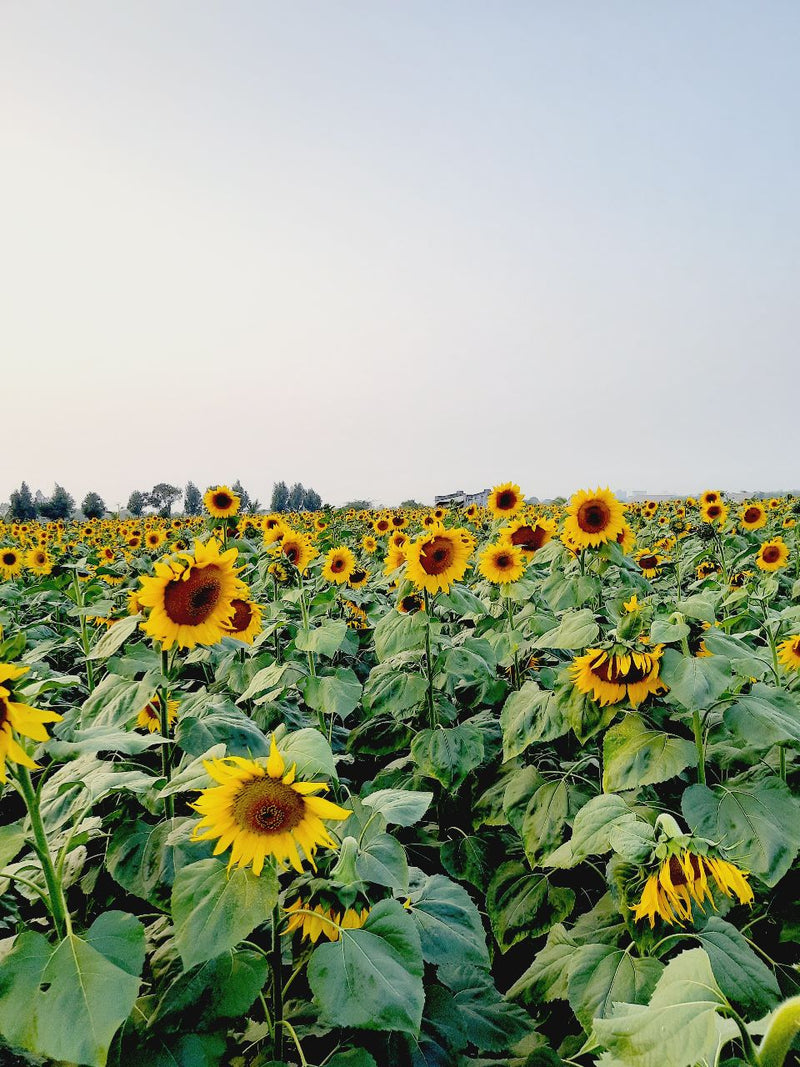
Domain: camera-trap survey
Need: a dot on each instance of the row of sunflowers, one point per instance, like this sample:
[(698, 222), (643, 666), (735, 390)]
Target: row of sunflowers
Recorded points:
[(508, 785)]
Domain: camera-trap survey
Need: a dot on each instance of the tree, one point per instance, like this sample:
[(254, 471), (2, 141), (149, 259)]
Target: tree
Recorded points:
[(162, 496), (312, 500), (192, 500), (357, 505), (244, 496), (137, 502), (410, 503), (296, 496), (59, 506), (280, 496), (93, 506), (21, 505)]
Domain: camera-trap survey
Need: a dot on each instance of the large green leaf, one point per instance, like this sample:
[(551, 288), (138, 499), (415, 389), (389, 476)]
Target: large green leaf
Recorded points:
[(12, 838), (214, 719), (601, 976), (741, 974), (222, 988), (764, 717), (754, 823), (530, 715), (634, 756), (577, 629), (403, 807), (119, 936), (472, 1011), (382, 859), (20, 977), (104, 739), (695, 682), (333, 694), (114, 638), (448, 754), (397, 632), (325, 640), (544, 820), (393, 691), (213, 910), (680, 1027), (310, 752), (547, 977), (522, 904), (590, 830), (449, 924), (372, 978)]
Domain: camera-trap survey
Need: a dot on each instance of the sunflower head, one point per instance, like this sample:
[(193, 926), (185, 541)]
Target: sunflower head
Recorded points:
[(18, 719), (245, 623), (773, 555), (611, 676), (789, 653), (502, 563), (438, 558), (594, 517), (505, 500), (221, 502)]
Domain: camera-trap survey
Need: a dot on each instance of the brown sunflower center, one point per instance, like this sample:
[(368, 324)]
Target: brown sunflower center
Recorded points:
[(528, 538), (713, 511), (337, 564), (593, 516), (9, 558), (291, 551), (191, 602), (398, 521), (242, 616), (222, 501), (40, 558), (506, 500), (648, 562), (503, 561), (752, 515), (358, 576), (267, 806), (610, 670), (676, 872), (771, 554), (436, 555)]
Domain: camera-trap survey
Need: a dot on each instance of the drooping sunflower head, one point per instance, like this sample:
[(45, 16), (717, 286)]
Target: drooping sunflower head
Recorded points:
[(594, 517), (502, 563), (773, 555), (437, 559), (358, 577), (339, 565), (685, 877), (245, 623), (610, 677), (410, 604), (18, 718), (221, 502), (316, 920), (529, 535), (258, 811), (149, 718), (505, 500)]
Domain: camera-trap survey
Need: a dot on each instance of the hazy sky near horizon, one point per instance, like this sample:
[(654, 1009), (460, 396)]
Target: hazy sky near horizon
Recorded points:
[(395, 249)]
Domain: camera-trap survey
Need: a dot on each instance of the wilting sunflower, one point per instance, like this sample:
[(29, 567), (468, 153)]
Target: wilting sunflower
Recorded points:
[(753, 517), (714, 512), (191, 596), (258, 812), (685, 877), (609, 677), (773, 555), (505, 500), (21, 718), (529, 534), (221, 502), (789, 653), (593, 517), (706, 569), (501, 563), (356, 616), (437, 559), (10, 562), (245, 623), (358, 578), (339, 565), (297, 548), (149, 718), (38, 561), (315, 921), (649, 562)]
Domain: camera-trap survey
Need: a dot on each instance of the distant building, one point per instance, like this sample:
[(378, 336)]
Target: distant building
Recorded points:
[(460, 499)]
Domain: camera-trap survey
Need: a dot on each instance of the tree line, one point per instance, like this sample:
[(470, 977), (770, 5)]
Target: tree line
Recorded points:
[(24, 507)]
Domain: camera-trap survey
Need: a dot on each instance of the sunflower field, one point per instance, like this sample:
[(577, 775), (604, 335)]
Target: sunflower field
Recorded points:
[(513, 785)]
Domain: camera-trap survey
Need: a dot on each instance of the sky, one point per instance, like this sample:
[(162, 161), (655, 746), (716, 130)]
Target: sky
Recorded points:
[(397, 249)]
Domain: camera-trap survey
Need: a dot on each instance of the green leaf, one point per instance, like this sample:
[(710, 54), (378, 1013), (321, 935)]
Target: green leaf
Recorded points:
[(213, 910), (590, 830), (577, 629), (448, 755), (311, 753), (333, 694), (524, 905), (663, 631), (325, 640), (275, 676), (12, 838), (699, 607), (755, 824), (741, 974), (397, 632), (634, 756), (382, 860), (472, 1007), (115, 701), (372, 978), (695, 682), (681, 1025), (546, 978), (143, 857), (449, 924), (104, 739), (20, 977), (192, 774), (764, 717), (212, 720), (403, 807), (115, 637), (530, 715), (393, 691), (544, 819), (601, 976), (119, 936), (222, 988)]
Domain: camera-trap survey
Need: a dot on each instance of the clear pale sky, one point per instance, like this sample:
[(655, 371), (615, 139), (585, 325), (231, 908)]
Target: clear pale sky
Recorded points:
[(394, 249)]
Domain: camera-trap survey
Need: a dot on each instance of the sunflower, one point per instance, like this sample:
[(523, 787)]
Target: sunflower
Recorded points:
[(471, 512), (272, 529), (706, 569), (38, 561), (609, 677), (753, 517), (259, 812), (221, 502), (154, 538), (437, 559), (505, 500), (339, 565), (501, 563), (149, 718), (410, 604), (626, 539), (315, 921), (369, 544), (593, 517), (382, 525), (773, 555), (395, 557), (358, 578), (685, 877), (357, 617), (714, 512), (191, 596), (21, 718), (246, 621), (10, 562), (789, 653), (529, 535), (297, 548), (710, 496), (649, 562)]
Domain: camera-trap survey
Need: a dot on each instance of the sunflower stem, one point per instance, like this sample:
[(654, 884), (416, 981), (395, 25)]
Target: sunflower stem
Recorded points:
[(429, 660), (515, 665), (698, 740), (84, 631), (276, 962), (312, 670), (782, 1030), (166, 753), (749, 1049), (275, 634), (55, 891)]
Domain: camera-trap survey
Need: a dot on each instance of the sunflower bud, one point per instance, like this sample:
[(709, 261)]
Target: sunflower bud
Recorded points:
[(345, 870)]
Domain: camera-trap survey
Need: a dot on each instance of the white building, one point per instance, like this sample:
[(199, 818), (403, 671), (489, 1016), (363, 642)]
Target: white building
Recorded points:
[(460, 499)]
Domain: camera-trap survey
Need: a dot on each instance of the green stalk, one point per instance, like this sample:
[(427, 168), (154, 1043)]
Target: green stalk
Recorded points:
[(698, 740), (276, 964), (166, 751), (55, 892), (429, 660), (515, 667), (782, 1030), (84, 631), (304, 608), (275, 634)]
